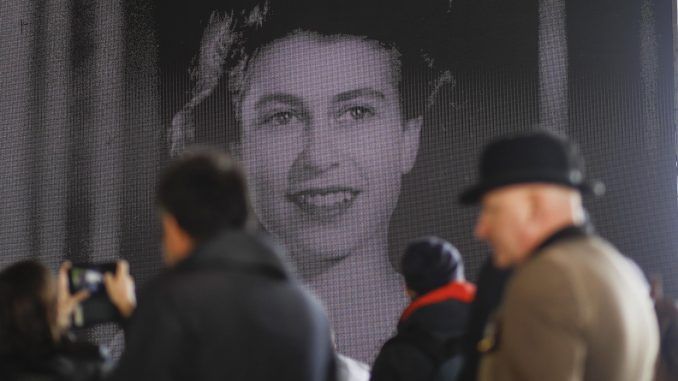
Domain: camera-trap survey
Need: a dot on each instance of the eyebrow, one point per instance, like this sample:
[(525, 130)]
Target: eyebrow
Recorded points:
[(294, 100), (364, 92), (279, 98)]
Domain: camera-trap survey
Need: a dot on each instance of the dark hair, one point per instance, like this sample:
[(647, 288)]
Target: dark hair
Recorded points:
[(206, 192), (231, 41), (27, 310)]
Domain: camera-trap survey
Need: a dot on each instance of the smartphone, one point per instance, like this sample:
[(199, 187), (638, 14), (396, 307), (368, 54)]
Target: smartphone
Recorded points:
[(98, 308)]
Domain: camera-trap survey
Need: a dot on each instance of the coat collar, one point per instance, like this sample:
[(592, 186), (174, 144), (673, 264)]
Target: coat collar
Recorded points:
[(460, 291), (566, 233), (241, 250)]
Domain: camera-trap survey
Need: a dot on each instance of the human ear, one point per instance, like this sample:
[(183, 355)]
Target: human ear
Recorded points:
[(178, 243), (409, 144)]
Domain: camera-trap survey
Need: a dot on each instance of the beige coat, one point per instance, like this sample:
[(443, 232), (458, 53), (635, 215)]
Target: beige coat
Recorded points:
[(579, 310)]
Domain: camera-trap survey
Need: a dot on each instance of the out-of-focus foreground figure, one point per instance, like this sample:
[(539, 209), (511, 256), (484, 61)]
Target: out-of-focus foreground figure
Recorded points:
[(575, 308), (431, 329)]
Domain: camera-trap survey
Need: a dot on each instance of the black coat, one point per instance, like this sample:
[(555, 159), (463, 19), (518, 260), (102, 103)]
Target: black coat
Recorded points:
[(491, 284), (230, 311), (68, 361), (402, 359)]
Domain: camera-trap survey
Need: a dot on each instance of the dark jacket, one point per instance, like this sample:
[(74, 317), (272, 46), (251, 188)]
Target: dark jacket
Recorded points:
[(230, 311), (491, 284), (69, 361), (429, 319)]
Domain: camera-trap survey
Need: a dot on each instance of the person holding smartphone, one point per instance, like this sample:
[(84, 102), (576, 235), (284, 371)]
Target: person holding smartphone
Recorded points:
[(35, 319), (226, 306)]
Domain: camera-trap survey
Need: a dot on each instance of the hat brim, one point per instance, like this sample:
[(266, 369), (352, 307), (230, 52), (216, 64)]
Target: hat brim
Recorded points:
[(474, 194)]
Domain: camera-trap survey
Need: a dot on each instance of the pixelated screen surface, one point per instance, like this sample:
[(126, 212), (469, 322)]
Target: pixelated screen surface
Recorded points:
[(357, 124)]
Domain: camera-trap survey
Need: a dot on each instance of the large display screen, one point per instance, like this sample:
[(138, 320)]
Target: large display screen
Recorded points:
[(357, 123)]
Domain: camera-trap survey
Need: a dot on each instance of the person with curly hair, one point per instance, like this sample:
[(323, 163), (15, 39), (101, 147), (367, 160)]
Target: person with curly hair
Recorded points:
[(324, 105)]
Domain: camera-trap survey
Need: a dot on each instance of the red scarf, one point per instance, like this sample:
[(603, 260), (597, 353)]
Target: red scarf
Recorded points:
[(461, 291)]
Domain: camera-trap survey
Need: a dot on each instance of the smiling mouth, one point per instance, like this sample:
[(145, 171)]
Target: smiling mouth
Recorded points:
[(324, 204)]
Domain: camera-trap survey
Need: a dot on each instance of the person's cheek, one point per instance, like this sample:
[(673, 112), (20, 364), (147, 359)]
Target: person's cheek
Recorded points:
[(276, 156), (254, 171), (375, 144)]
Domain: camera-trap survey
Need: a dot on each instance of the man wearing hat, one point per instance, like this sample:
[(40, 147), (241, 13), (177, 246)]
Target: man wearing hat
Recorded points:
[(575, 308), (428, 343)]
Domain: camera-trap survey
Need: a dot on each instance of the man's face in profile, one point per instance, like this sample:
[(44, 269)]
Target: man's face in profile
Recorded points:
[(503, 223), (324, 143)]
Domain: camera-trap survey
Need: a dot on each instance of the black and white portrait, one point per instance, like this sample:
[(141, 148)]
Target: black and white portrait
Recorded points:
[(327, 113), (357, 124)]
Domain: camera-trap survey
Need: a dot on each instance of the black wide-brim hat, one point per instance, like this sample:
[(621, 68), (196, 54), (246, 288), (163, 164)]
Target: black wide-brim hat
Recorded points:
[(537, 157)]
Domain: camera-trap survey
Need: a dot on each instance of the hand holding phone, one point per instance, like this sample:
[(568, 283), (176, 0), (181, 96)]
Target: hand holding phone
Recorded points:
[(120, 289), (67, 301), (85, 278)]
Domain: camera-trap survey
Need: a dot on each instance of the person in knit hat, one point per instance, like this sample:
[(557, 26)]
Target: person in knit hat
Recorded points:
[(427, 345)]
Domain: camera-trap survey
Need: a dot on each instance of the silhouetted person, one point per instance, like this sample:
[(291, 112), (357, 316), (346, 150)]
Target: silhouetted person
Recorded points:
[(226, 308), (428, 344), (35, 317), (575, 308)]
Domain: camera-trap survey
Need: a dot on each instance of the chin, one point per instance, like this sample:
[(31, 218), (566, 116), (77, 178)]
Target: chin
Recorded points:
[(316, 249)]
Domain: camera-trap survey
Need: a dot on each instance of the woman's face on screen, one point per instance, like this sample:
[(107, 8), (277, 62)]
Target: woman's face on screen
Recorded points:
[(323, 142)]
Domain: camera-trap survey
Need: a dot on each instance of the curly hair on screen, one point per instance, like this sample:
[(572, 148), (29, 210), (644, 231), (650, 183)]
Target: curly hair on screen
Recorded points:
[(232, 40)]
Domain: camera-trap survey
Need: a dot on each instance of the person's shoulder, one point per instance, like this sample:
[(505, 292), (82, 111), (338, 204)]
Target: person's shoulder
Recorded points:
[(162, 295), (551, 265), (568, 252), (549, 276), (408, 343), (407, 356), (399, 350), (176, 280), (560, 261), (159, 285), (598, 256)]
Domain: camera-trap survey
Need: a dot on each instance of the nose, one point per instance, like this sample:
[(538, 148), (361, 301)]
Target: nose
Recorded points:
[(320, 146)]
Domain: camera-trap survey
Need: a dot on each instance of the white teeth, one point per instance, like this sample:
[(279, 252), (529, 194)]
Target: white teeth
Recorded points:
[(326, 200)]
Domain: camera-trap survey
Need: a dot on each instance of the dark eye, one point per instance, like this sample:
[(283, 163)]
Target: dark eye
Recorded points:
[(356, 113), (281, 118)]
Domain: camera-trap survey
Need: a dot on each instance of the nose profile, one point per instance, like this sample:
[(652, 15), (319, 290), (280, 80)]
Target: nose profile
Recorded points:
[(320, 146), (480, 230)]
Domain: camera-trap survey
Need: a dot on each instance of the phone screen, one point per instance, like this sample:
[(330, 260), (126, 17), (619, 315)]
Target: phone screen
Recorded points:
[(98, 307), (88, 279)]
